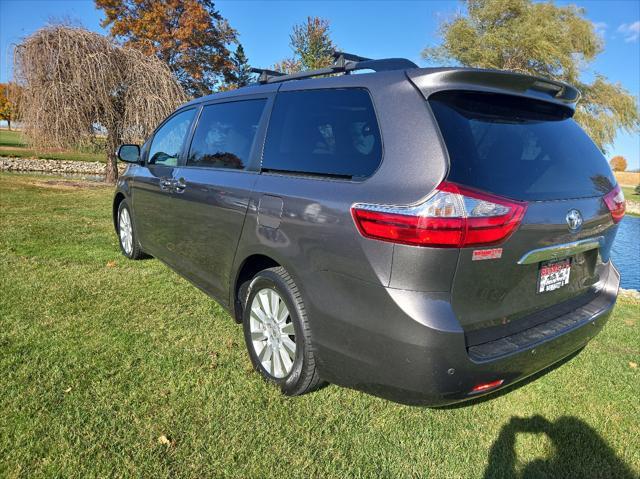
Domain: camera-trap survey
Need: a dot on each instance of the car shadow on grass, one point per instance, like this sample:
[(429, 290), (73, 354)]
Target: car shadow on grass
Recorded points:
[(579, 452)]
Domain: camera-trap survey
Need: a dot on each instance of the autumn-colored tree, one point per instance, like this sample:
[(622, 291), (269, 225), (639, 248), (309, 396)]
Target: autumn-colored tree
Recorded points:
[(74, 80), (312, 44), (618, 163), (9, 100), (5, 107), (188, 35), (543, 39), (312, 47), (288, 65)]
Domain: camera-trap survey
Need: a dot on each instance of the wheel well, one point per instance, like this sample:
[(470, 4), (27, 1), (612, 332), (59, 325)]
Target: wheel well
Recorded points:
[(250, 267), (116, 204)]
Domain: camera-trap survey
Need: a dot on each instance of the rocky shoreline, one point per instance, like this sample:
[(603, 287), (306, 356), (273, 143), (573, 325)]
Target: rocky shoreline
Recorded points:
[(633, 207), (630, 293), (93, 168)]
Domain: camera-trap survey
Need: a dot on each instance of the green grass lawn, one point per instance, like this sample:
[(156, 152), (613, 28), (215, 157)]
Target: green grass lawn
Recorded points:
[(11, 138), (632, 198), (12, 144), (116, 368), (630, 193)]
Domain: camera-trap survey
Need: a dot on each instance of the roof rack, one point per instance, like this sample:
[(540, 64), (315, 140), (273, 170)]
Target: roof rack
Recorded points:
[(265, 74), (343, 63), (340, 58)]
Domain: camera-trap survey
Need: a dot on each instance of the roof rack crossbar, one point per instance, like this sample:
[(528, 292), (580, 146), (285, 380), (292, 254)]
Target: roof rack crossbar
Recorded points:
[(265, 74), (344, 63), (348, 56), (340, 59)]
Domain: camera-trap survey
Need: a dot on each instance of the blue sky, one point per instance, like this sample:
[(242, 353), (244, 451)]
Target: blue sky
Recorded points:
[(369, 28)]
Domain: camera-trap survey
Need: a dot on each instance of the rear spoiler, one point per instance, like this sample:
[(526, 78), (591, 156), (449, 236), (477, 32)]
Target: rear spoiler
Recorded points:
[(430, 80)]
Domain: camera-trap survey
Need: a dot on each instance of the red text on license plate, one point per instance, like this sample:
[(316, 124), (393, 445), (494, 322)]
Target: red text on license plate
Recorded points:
[(553, 275)]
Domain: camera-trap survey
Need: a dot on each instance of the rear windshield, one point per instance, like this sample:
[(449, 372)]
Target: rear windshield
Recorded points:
[(519, 148)]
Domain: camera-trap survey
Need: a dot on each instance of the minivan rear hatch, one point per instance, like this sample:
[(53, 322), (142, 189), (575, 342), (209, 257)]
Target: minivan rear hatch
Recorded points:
[(525, 149)]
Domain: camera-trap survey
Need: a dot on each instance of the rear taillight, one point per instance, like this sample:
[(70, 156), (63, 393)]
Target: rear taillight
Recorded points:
[(454, 217), (616, 203)]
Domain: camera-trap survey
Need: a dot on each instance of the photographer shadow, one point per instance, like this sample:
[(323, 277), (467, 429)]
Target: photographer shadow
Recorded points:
[(579, 452)]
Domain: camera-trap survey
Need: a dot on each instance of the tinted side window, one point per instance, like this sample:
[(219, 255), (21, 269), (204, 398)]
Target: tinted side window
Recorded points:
[(168, 140), (326, 132), (225, 133)]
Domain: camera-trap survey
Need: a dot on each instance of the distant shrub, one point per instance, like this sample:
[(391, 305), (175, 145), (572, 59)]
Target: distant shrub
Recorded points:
[(618, 163)]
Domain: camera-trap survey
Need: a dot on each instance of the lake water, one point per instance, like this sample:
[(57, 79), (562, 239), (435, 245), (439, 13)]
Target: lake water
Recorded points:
[(626, 252)]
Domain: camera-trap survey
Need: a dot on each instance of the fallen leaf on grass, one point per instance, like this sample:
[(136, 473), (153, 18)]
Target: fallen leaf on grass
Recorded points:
[(164, 440), (214, 359), (111, 264), (633, 365)]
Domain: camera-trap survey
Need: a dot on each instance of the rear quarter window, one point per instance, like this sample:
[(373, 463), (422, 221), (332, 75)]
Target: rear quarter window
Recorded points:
[(519, 148), (323, 132)]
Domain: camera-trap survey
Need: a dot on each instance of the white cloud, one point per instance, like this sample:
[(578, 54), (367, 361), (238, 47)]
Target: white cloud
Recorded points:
[(600, 28), (631, 31)]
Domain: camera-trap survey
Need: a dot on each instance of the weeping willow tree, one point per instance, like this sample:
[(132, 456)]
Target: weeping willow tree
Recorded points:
[(76, 83)]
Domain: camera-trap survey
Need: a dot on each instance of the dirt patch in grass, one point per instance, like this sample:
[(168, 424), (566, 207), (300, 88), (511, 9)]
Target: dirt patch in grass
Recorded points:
[(14, 148)]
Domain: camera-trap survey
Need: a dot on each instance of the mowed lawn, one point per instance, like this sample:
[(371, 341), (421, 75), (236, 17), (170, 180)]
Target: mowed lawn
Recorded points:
[(13, 144), (116, 368), (630, 193)]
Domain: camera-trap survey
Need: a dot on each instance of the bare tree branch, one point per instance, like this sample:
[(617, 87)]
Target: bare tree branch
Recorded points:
[(76, 82)]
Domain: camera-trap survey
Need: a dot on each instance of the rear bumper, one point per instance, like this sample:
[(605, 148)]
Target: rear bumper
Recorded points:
[(408, 347)]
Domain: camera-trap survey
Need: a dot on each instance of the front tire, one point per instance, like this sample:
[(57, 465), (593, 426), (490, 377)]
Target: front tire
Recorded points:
[(277, 333), (127, 238)]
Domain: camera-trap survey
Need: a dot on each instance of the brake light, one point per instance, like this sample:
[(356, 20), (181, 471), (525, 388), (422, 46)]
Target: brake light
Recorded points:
[(616, 203), (454, 217)]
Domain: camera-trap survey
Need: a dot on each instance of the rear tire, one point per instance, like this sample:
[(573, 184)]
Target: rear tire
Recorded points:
[(277, 333), (127, 238)]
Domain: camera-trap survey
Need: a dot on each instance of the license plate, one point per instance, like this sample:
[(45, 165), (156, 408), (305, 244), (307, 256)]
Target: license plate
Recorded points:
[(553, 275)]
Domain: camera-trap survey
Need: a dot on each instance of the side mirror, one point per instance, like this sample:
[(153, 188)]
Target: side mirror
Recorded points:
[(129, 153)]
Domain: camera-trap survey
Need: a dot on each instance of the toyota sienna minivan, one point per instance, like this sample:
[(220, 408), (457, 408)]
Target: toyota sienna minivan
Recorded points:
[(427, 235)]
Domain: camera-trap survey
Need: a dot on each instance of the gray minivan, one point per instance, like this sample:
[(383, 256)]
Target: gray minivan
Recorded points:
[(427, 235)]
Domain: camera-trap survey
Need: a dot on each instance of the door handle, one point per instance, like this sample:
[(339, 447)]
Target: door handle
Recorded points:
[(179, 185), (166, 184)]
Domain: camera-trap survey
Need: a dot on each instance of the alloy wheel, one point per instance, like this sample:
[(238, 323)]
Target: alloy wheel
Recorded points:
[(126, 231), (272, 333)]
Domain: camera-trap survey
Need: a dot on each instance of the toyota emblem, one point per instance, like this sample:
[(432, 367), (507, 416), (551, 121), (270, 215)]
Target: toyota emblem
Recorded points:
[(574, 220)]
